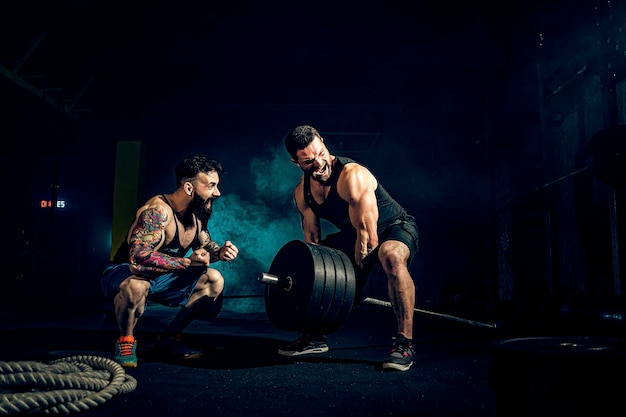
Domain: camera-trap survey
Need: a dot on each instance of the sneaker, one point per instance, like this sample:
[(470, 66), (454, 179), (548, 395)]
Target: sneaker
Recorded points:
[(401, 356), (174, 346), (305, 344), (125, 349)]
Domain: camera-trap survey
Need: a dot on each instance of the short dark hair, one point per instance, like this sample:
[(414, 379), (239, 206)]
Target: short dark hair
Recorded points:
[(192, 165), (299, 138)]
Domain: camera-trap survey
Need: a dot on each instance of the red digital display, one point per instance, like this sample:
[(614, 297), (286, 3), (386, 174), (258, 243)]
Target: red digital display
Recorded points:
[(48, 204)]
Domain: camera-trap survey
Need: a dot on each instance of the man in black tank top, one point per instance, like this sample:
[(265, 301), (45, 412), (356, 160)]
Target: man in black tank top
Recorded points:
[(165, 258), (373, 228)]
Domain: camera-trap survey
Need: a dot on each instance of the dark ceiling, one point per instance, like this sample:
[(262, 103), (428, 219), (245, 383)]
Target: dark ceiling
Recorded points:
[(219, 75), (119, 56)]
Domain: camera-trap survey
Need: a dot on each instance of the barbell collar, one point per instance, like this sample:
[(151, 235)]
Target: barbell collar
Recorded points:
[(283, 282)]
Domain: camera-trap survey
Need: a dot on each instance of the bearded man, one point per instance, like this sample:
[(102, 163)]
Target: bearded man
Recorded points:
[(165, 259)]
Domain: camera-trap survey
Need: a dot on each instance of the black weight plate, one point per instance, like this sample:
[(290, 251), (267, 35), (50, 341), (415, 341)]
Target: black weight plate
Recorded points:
[(339, 287), (322, 288), (558, 376), (287, 308)]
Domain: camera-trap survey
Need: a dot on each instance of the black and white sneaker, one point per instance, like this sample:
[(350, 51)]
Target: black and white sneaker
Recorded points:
[(305, 344), (401, 356)]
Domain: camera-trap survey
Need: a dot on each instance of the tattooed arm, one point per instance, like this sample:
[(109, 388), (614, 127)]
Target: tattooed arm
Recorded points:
[(210, 246), (146, 237), (226, 252)]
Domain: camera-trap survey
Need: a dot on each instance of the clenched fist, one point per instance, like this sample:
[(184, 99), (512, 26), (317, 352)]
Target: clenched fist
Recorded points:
[(228, 252), (200, 257)]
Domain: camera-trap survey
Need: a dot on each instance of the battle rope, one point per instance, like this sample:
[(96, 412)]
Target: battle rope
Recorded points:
[(68, 385)]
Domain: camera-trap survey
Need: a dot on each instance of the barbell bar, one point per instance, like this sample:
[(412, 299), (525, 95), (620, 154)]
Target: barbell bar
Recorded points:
[(287, 282), (383, 303), (312, 287)]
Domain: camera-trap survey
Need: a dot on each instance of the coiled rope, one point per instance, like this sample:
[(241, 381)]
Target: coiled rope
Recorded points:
[(67, 385)]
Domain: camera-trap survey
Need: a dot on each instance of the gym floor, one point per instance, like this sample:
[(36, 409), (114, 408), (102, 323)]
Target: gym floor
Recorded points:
[(241, 373)]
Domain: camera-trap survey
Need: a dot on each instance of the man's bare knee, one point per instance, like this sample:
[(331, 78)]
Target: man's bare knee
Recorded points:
[(212, 283), (134, 290)]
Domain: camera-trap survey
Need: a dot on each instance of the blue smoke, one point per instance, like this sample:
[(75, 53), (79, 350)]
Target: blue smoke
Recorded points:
[(259, 224)]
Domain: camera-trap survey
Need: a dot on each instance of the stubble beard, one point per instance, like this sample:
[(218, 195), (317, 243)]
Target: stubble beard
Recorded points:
[(327, 173)]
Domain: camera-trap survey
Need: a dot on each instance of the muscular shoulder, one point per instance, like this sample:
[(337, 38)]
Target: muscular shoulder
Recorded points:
[(155, 211), (356, 174), (298, 195), (299, 190), (354, 181)]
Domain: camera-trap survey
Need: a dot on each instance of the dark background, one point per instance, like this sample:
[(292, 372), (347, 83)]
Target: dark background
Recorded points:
[(459, 109)]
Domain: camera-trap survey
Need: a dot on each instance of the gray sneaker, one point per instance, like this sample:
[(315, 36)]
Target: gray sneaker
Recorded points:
[(305, 344), (401, 356)]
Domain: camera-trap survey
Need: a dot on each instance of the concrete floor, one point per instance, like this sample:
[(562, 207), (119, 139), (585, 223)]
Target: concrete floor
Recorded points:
[(241, 373)]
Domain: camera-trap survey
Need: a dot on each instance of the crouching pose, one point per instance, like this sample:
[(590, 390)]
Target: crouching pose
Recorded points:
[(165, 259)]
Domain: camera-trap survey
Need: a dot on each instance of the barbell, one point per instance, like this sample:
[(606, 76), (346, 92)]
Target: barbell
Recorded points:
[(312, 287), (309, 287)]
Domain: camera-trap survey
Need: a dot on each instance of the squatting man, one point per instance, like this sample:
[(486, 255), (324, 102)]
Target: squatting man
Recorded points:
[(165, 259)]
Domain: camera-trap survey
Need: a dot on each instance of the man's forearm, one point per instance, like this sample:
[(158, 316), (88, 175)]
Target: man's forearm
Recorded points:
[(153, 261)]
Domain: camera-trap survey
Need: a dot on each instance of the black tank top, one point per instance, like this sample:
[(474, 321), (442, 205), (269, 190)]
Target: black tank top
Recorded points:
[(335, 209), (174, 248)]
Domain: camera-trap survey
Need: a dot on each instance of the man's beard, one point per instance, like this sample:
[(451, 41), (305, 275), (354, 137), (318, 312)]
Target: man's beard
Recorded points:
[(199, 208), (319, 179)]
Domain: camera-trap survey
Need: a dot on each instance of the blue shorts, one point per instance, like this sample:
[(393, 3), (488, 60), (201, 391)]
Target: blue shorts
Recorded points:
[(170, 289)]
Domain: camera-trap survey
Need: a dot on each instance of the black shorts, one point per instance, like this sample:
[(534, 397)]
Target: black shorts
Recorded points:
[(404, 230)]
